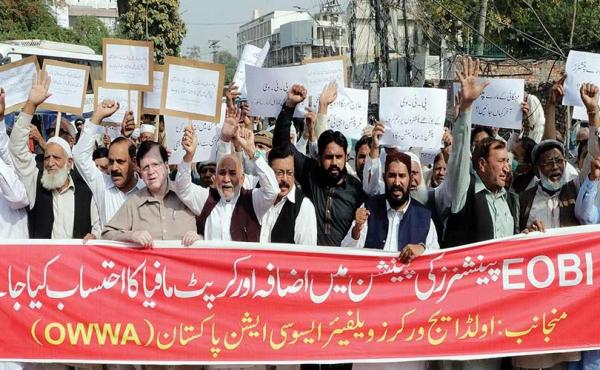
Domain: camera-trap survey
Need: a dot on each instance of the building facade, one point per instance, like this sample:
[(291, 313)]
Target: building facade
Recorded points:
[(66, 12), (295, 35)]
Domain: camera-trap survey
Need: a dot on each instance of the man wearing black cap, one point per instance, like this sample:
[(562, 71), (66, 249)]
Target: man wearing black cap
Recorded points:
[(552, 201)]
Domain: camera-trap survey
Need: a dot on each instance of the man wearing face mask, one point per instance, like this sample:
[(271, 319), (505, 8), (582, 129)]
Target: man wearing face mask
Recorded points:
[(552, 201), (325, 181), (227, 212)]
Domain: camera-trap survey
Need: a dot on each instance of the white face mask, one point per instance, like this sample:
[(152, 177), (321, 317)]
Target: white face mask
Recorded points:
[(553, 186)]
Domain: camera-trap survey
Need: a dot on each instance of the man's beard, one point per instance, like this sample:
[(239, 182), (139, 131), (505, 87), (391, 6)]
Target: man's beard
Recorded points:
[(56, 180), (236, 192), (332, 179), (394, 202)]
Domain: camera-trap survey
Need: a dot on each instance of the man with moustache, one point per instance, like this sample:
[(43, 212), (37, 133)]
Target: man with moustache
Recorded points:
[(292, 219), (393, 221), (227, 212), (325, 181), (110, 191), (60, 206)]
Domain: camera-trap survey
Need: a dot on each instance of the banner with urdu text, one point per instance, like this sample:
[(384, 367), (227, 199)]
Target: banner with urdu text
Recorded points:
[(263, 304)]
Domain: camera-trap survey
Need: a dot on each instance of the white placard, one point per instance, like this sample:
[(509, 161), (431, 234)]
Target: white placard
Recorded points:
[(267, 88), (581, 67), (349, 112), (413, 116), (88, 103), (17, 83), (252, 56), (427, 156), (208, 134), (152, 98), (127, 64), (67, 87), (318, 76), (192, 90), (120, 96), (499, 105)]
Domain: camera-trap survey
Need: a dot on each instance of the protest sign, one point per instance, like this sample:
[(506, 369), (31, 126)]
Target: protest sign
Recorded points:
[(68, 85), (192, 89), (413, 116), (16, 80), (321, 72), (207, 133), (127, 99), (499, 105), (349, 112), (151, 99), (581, 67), (128, 64), (252, 56), (227, 302), (267, 88), (88, 104)]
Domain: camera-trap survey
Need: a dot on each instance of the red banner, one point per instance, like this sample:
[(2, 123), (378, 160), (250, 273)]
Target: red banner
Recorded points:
[(246, 304)]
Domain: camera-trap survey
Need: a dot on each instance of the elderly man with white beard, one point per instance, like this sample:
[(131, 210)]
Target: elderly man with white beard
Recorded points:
[(228, 212), (60, 207)]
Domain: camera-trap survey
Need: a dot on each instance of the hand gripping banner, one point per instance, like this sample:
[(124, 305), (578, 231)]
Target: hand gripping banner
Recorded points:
[(245, 303)]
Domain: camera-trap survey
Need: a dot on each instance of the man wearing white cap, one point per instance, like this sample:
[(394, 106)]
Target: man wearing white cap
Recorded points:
[(60, 208), (147, 132)]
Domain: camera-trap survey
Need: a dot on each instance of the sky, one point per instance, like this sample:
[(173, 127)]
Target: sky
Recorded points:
[(220, 19)]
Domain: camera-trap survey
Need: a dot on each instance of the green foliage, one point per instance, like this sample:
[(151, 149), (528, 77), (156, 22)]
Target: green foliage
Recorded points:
[(230, 62), (30, 19), (160, 18), (513, 25), (90, 31)]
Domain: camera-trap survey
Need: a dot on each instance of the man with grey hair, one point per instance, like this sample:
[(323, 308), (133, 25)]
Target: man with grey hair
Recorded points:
[(60, 206)]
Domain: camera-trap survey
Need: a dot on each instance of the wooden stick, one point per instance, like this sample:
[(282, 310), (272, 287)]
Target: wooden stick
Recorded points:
[(58, 122), (157, 123)]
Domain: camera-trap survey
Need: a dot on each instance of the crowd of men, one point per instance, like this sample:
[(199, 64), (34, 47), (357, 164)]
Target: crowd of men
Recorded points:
[(275, 187)]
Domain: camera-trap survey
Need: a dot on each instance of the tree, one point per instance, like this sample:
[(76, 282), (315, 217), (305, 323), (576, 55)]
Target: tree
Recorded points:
[(230, 62), (90, 31), (513, 24), (30, 19), (157, 21)]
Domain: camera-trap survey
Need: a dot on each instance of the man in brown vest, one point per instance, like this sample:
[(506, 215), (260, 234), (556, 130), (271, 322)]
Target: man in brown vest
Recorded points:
[(227, 212)]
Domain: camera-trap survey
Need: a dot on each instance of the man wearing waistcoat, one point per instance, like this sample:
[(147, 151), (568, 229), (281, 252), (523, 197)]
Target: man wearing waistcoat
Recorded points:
[(227, 212), (60, 205), (393, 221), (292, 218), (552, 201)]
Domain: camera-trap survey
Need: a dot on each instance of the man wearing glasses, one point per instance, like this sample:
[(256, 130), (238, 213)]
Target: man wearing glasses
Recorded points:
[(552, 201), (154, 212)]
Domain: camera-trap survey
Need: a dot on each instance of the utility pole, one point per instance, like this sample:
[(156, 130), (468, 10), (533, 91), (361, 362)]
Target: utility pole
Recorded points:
[(214, 46), (381, 33), (483, 4), (352, 36), (407, 59)]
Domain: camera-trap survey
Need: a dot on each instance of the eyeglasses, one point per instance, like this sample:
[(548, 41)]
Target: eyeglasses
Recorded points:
[(281, 173), (554, 161), (152, 167)]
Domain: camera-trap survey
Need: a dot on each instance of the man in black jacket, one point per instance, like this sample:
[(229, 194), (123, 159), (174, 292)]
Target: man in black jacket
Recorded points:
[(334, 193)]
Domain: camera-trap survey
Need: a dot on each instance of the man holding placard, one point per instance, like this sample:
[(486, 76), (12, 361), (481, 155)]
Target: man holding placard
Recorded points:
[(110, 191), (60, 206)]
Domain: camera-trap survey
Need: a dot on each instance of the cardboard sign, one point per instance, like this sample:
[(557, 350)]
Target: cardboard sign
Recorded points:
[(268, 87), (349, 112), (68, 86), (320, 72), (192, 89), (581, 68), (499, 105), (128, 64), (413, 116), (16, 79), (208, 135), (252, 56), (127, 99), (151, 100)]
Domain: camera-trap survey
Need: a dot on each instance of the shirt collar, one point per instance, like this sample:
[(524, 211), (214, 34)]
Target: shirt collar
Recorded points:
[(71, 186), (139, 185), (291, 196), (480, 186), (402, 210), (146, 197), (233, 200)]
